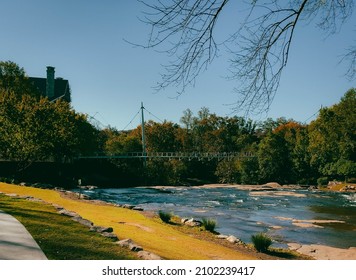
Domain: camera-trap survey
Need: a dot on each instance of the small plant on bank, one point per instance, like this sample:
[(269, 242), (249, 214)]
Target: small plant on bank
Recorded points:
[(209, 224), (165, 216), (261, 241)]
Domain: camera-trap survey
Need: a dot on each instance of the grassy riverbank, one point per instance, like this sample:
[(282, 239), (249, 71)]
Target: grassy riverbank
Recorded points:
[(59, 237), (52, 230)]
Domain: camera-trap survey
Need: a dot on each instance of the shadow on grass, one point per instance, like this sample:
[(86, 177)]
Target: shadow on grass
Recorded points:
[(285, 254), (58, 236)]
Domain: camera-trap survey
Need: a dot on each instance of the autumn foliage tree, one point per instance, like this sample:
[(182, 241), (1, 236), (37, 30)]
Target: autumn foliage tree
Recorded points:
[(34, 129), (13, 79), (282, 150)]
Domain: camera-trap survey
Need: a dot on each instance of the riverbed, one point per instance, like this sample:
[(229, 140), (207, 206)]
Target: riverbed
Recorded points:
[(288, 215)]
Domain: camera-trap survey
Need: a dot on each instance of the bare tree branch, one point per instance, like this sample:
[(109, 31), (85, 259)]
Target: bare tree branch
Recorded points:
[(260, 48), (350, 58), (264, 48), (188, 27)]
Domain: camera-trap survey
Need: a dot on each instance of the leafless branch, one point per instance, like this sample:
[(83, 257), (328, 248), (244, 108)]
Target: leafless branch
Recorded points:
[(350, 59), (260, 47), (188, 27)]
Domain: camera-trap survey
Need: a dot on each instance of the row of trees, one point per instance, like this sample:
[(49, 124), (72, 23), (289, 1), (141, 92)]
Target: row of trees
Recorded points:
[(284, 150), (33, 129)]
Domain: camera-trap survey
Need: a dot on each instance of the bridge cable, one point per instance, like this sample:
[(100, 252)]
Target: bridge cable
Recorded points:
[(153, 115), (132, 120), (313, 114)]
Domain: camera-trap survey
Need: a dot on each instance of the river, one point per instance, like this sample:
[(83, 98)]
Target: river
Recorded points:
[(288, 216)]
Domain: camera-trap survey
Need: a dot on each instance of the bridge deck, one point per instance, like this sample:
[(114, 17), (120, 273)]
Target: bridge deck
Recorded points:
[(177, 155)]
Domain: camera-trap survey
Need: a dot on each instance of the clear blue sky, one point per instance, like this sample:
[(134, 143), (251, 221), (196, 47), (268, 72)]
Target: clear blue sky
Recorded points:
[(84, 41)]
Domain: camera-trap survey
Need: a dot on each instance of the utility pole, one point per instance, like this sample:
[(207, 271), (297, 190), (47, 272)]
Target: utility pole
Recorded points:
[(143, 135)]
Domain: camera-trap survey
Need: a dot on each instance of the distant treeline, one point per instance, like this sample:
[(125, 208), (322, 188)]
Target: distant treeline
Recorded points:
[(32, 130)]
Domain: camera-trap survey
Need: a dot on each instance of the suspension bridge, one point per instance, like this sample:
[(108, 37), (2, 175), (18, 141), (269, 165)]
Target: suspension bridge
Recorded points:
[(173, 155), (167, 155)]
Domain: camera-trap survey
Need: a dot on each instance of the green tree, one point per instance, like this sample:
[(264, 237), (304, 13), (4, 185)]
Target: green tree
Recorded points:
[(185, 135), (249, 166), (296, 139), (227, 172), (13, 79), (332, 138), (273, 159), (162, 137), (33, 129), (121, 142), (166, 172)]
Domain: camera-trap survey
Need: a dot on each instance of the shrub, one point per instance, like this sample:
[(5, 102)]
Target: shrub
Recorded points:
[(165, 216), (322, 181), (209, 224), (261, 242), (6, 180)]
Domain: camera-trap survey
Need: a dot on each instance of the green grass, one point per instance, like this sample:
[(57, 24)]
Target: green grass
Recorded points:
[(59, 237), (261, 242), (165, 216), (209, 224)]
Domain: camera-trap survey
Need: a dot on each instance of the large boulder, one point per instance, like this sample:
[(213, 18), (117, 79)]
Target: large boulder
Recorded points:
[(110, 235), (233, 239), (193, 223)]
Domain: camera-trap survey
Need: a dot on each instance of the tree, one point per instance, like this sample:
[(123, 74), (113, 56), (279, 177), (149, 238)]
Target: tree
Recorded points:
[(187, 119), (13, 78), (121, 142), (273, 159), (259, 48), (249, 170), (297, 142), (227, 172), (333, 139), (162, 137), (33, 129)]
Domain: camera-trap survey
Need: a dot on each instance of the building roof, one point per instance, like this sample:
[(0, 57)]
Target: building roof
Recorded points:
[(61, 87)]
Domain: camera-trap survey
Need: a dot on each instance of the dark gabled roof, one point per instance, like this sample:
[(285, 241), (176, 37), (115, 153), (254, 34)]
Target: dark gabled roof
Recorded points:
[(61, 87)]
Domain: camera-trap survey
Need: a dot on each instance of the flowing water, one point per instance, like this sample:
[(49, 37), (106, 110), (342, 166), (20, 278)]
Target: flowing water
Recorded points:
[(293, 215)]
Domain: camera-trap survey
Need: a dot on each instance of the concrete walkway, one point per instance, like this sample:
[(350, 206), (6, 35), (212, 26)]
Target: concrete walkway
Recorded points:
[(16, 243)]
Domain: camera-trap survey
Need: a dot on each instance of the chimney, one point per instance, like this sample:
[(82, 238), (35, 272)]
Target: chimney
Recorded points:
[(50, 82)]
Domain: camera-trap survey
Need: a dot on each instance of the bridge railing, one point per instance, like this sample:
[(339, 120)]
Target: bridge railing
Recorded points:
[(177, 155)]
